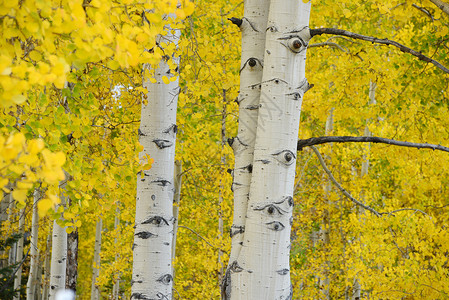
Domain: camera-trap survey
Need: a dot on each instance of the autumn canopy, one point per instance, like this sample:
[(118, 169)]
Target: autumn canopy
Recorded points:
[(277, 149)]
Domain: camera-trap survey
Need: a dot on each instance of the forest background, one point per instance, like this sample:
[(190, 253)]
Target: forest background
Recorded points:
[(61, 64)]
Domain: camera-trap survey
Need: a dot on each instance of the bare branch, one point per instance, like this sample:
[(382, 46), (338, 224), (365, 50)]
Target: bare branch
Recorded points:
[(419, 55), (441, 5), (332, 178), (424, 10), (199, 235), (366, 139)]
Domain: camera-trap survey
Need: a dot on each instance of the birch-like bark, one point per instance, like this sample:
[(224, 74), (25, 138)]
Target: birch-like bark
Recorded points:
[(95, 291), (19, 255), (253, 26), (262, 270), (176, 203), (152, 256), (34, 251), (58, 266)]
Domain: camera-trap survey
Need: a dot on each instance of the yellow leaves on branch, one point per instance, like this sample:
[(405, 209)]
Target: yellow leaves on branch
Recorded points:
[(41, 40), (25, 163)]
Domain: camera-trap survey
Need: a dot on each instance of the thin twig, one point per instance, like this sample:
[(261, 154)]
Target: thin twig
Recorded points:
[(365, 139), (419, 55), (331, 177), (181, 226)]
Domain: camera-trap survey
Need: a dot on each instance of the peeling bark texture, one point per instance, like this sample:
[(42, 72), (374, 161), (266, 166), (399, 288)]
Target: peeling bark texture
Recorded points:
[(253, 26), (34, 251), (419, 55), (94, 291), (265, 252), (19, 254), (153, 238), (441, 5)]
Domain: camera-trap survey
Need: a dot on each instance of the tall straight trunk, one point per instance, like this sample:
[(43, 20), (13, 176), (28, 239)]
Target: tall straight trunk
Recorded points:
[(37, 287), (176, 203), (95, 292), (34, 251), (58, 260), (19, 255), (253, 26), (58, 266), (262, 269), (46, 282), (221, 189), (72, 260), (152, 249)]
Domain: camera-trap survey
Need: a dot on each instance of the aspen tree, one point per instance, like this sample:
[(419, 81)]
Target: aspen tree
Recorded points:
[(262, 269), (19, 254), (95, 291), (58, 265), (253, 27), (152, 249)]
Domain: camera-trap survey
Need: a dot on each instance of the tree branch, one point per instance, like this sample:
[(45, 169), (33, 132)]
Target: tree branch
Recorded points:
[(199, 235), (365, 139), (332, 178), (419, 55), (349, 196), (441, 5)]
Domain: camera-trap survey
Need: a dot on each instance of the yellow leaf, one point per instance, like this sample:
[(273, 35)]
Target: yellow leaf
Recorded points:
[(43, 206), (35, 146), (165, 79), (20, 195)]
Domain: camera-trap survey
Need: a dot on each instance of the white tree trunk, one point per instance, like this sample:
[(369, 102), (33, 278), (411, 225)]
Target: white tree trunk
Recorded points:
[(152, 249), (58, 259), (46, 282), (262, 268), (95, 291), (19, 254), (34, 251), (176, 203), (253, 26), (58, 266)]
